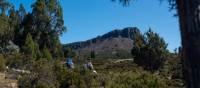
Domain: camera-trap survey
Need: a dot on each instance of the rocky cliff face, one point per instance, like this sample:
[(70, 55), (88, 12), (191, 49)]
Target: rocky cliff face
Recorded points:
[(115, 44)]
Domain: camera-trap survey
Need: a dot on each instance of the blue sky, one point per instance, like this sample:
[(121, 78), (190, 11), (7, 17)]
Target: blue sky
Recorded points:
[(86, 19)]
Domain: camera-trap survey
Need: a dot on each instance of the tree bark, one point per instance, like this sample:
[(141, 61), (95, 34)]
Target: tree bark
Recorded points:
[(189, 19)]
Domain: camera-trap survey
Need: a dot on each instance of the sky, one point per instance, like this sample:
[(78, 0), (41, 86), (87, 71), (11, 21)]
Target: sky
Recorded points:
[(86, 19)]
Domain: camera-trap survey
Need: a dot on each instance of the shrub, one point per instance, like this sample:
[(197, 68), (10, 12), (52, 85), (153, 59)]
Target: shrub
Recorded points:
[(149, 50), (132, 79), (47, 54), (31, 47), (42, 75), (2, 63)]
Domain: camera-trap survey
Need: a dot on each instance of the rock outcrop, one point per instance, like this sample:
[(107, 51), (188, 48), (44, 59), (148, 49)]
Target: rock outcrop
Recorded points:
[(115, 44)]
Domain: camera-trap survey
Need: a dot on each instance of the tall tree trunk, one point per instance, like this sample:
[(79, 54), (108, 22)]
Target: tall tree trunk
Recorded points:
[(189, 19)]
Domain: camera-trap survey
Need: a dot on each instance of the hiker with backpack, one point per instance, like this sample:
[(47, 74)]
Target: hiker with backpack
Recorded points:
[(88, 65), (69, 63)]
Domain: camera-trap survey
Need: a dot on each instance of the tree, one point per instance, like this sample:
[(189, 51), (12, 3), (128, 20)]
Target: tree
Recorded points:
[(4, 23), (4, 33), (47, 54), (149, 50), (68, 52), (31, 47), (21, 12), (4, 5), (20, 35), (13, 23), (48, 22), (45, 24), (188, 13), (93, 54)]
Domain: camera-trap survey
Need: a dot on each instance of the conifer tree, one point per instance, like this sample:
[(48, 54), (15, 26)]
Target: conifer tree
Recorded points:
[(48, 22), (93, 54), (149, 50), (188, 14), (47, 54), (31, 47), (4, 5)]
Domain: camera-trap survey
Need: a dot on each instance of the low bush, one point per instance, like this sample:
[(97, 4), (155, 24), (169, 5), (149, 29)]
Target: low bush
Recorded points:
[(2, 63)]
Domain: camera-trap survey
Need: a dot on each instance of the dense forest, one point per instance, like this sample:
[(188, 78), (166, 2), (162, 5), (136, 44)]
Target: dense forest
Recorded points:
[(29, 41)]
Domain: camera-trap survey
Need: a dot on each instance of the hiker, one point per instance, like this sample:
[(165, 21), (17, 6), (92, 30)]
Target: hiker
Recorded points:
[(70, 63), (88, 66)]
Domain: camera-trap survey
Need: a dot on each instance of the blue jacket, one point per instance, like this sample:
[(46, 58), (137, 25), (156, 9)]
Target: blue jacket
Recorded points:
[(69, 61)]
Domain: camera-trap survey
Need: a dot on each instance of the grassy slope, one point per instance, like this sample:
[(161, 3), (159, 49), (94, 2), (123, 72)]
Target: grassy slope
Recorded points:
[(123, 74)]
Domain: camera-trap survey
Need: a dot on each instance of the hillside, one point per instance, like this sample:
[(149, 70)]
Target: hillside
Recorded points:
[(115, 44)]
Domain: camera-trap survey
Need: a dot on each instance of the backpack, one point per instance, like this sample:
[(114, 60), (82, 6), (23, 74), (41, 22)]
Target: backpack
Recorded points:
[(70, 63)]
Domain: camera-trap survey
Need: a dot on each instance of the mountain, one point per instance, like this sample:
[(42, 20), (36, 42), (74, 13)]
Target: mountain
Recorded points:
[(115, 44)]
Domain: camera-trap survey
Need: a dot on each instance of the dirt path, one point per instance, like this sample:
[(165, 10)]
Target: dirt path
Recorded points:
[(7, 82), (121, 60)]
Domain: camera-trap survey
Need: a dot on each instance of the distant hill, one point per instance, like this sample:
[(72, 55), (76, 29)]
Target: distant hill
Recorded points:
[(115, 44)]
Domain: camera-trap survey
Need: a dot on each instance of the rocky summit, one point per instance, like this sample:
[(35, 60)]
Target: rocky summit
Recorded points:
[(114, 44)]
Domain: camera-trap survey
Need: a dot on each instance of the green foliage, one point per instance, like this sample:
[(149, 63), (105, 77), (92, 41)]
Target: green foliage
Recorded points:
[(31, 47), (68, 52), (135, 80), (13, 22), (4, 32), (58, 50), (173, 70), (21, 12), (172, 3), (61, 73), (42, 75), (4, 5), (40, 28), (92, 54), (52, 74), (149, 50), (47, 54), (2, 63), (16, 61), (37, 33), (8, 22), (79, 79), (47, 15)]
